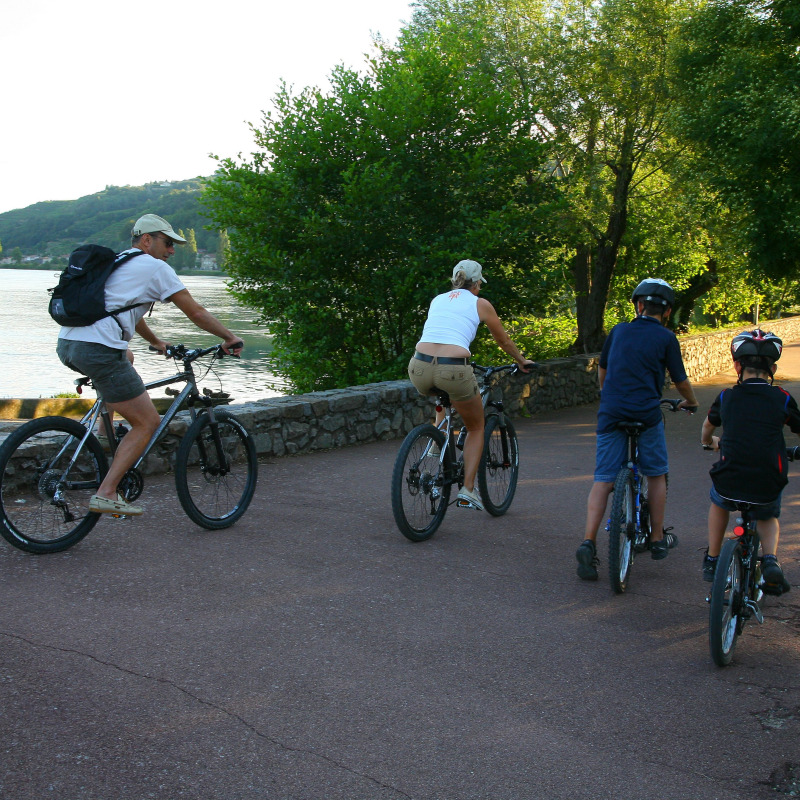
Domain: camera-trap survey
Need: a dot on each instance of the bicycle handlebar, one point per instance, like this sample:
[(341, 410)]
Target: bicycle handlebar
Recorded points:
[(489, 371), (672, 404), (180, 351)]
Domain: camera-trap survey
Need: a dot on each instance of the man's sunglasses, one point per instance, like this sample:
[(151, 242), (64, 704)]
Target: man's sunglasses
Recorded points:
[(169, 242)]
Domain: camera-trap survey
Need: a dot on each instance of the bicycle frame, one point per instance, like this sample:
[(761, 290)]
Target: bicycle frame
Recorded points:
[(750, 541), (633, 465), (99, 410), (446, 426)]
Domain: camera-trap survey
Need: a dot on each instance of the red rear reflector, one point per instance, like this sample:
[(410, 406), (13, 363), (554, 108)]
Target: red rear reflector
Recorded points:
[(438, 408), (739, 530), (79, 389)]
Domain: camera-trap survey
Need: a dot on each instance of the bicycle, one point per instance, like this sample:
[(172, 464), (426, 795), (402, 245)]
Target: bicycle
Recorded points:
[(51, 467), (736, 594), (629, 524), (430, 463)]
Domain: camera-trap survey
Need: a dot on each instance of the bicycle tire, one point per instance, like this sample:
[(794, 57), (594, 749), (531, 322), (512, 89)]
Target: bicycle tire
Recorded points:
[(724, 624), (30, 478), (620, 531), (419, 498), (497, 479), (210, 499)]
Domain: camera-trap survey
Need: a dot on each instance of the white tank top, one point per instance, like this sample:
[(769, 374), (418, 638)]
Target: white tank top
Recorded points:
[(452, 319)]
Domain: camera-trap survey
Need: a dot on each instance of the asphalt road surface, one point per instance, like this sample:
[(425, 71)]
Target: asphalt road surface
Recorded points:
[(313, 652)]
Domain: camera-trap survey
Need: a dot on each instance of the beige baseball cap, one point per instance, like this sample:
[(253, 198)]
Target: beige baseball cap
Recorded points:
[(152, 223), (472, 270)]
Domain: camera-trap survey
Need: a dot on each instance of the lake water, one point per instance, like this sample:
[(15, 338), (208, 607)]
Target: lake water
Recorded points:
[(30, 366)]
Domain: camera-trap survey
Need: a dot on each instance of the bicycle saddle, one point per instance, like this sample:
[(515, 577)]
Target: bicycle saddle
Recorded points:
[(631, 427)]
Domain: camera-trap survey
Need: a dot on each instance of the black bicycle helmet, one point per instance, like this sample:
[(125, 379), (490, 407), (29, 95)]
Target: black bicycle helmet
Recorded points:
[(654, 290), (756, 343)]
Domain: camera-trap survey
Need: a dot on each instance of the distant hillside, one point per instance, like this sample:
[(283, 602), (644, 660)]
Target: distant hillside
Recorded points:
[(56, 227)]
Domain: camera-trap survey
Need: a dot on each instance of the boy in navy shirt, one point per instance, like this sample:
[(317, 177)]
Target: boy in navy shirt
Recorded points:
[(631, 373), (752, 467)]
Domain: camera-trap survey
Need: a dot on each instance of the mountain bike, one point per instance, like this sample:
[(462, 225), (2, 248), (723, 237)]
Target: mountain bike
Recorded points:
[(629, 524), (430, 462), (51, 467), (736, 593)]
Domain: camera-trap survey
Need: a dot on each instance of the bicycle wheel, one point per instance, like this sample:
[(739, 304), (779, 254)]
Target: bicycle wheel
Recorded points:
[(214, 495), (419, 493), (44, 502), (621, 530), (727, 590), (498, 470)]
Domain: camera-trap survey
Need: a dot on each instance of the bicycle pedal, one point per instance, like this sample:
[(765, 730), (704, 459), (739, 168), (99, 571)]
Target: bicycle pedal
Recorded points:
[(466, 504), (120, 516)]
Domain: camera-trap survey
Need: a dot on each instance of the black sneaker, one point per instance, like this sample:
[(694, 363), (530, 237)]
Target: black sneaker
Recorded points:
[(587, 560), (661, 548), (709, 567), (775, 582)]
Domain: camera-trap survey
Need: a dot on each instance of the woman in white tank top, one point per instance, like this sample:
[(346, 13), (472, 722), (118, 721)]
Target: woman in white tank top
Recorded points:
[(442, 359)]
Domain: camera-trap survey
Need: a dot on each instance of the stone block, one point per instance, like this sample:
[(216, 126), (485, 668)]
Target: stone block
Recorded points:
[(292, 430), (348, 402), (382, 425), (263, 442), (332, 423), (323, 442), (294, 410), (363, 431)]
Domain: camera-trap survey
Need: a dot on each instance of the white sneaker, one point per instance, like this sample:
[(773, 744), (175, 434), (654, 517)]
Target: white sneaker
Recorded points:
[(469, 499)]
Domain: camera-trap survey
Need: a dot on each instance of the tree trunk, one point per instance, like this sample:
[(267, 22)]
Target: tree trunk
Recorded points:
[(591, 327)]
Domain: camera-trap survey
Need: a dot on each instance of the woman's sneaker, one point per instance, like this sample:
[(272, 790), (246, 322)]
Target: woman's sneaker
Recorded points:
[(775, 582), (469, 499), (587, 560)]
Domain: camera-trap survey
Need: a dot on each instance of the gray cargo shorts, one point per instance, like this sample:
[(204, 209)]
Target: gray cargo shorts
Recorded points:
[(113, 376)]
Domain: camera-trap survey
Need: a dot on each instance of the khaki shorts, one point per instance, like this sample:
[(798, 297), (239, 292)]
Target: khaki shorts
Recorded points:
[(455, 379)]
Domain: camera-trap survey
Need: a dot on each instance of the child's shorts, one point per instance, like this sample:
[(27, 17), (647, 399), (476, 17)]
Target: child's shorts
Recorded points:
[(612, 453), (760, 511)]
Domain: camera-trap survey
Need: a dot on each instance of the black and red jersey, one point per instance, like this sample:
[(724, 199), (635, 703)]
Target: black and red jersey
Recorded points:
[(752, 465)]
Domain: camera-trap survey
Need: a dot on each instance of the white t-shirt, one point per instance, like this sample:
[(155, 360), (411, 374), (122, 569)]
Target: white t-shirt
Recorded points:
[(452, 319), (143, 279)]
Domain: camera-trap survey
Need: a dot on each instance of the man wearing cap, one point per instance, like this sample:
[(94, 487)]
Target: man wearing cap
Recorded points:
[(442, 356), (101, 350)]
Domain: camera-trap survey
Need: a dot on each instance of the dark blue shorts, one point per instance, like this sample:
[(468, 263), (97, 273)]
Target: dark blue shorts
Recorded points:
[(760, 511)]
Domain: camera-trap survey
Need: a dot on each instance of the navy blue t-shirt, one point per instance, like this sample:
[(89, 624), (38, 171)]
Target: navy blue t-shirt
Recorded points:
[(636, 355)]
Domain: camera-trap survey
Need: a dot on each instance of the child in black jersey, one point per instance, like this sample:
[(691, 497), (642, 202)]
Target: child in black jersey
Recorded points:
[(752, 467)]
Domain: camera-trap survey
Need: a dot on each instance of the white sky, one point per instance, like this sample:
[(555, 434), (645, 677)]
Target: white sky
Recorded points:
[(99, 92)]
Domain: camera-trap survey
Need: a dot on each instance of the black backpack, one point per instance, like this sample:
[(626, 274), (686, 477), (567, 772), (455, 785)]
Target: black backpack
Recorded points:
[(79, 298)]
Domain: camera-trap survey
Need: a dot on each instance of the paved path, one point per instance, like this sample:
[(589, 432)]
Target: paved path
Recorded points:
[(312, 652)]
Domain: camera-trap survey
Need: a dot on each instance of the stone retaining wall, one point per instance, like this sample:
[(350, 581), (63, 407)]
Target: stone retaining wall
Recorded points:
[(341, 417)]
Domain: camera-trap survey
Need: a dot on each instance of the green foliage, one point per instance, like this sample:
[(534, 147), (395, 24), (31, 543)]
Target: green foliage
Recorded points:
[(64, 395), (105, 218), (16, 254), (359, 203), (223, 249), (737, 74)]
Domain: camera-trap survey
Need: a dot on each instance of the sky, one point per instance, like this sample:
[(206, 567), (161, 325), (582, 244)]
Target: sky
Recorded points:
[(115, 93)]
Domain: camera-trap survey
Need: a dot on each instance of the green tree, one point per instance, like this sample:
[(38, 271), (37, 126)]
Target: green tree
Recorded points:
[(738, 72), (359, 202), (190, 250), (591, 82), (16, 254), (223, 248)]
